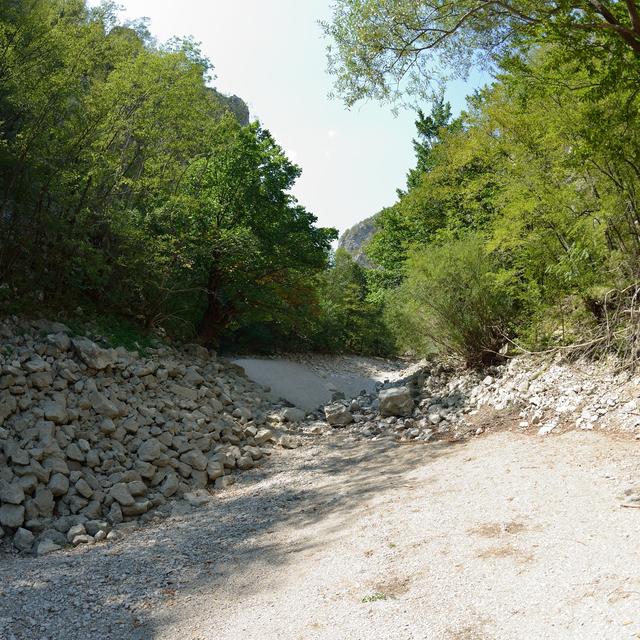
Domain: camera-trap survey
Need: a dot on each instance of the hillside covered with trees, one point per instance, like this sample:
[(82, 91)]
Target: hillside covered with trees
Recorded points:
[(519, 222), (132, 189)]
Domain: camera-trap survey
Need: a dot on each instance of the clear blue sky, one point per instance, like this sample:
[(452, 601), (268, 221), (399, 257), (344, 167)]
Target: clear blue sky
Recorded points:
[(271, 53)]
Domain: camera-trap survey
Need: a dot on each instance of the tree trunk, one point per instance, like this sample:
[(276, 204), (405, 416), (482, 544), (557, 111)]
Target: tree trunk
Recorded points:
[(216, 315)]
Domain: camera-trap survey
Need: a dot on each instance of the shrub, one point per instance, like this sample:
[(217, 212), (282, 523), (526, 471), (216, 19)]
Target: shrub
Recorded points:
[(454, 302)]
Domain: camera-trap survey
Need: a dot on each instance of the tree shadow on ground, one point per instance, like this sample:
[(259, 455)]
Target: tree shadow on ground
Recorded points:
[(127, 590)]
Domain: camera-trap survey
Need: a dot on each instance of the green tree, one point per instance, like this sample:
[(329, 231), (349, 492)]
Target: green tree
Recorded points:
[(383, 48), (129, 185)]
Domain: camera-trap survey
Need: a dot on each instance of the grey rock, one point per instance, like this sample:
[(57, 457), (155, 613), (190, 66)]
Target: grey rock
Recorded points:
[(293, 414), (137, 508), (115, 513), (74, 453), (23, 540), (195, 459), (8, 405), (120, 492), (192, 378), (13, 493), (245, 462), (396, 401), (56, 411), (59, 484), (224, 482), (59, 340), (54, 536), (185, 392), (169, 485), (150, 450), (337, 415), (44, 501), (75, 531), (215, 469), (263, 436), (47, 546), (11, 515), (83, 488)]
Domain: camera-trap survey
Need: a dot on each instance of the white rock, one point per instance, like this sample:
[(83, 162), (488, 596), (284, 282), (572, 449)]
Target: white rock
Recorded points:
[(396, 401), (337, 415), (94, 356)]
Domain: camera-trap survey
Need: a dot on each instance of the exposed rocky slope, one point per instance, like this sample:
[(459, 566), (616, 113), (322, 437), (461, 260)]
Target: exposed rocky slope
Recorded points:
[(356, 238)]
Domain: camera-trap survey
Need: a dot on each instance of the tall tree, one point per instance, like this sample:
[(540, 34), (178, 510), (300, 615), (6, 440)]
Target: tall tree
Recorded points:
[(382, 48)]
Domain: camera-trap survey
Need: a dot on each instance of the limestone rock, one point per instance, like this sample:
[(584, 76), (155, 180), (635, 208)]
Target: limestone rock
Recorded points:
[(11, 515), (396, 401), (102, 406), (92, 355), (337, 415)]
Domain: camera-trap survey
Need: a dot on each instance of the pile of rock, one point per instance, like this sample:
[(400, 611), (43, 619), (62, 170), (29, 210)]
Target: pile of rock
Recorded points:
[(545, 393), (552, 392), (418, 407), (92, 437)]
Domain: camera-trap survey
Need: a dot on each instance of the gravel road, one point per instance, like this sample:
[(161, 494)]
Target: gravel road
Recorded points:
[(308, 381), (507, 536)]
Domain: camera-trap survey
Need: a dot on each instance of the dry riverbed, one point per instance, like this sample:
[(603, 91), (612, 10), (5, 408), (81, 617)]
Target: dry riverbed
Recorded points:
[(505, 536)]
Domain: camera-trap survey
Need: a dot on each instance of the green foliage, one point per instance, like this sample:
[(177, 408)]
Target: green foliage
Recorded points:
[(454, 302), (386, 48), (127, 184), (116, 332), (375, 597), (542, 171), (349, 320)]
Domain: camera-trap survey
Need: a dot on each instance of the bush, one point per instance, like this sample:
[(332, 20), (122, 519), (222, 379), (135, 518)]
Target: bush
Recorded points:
[(454, 302)]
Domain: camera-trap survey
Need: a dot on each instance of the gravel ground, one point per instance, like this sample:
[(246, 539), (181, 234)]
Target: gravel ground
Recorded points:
[(307, 381), (507, 536)]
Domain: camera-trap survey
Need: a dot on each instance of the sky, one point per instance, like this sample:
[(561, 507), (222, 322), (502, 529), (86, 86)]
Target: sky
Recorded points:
[(271, 53)]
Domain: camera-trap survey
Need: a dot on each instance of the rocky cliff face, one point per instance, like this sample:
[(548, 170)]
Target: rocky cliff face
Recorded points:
[(355, 239), (235, 105), (238, 107)]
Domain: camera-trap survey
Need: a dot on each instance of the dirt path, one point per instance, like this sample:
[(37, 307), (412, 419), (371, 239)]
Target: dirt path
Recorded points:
[(505, 537)]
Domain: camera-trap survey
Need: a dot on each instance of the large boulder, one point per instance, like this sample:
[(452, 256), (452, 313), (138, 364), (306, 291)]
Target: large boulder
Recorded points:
[(338, 415), (396, 401)]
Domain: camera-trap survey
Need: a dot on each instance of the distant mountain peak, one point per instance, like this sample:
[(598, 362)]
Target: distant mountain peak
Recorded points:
[(355, 239)]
